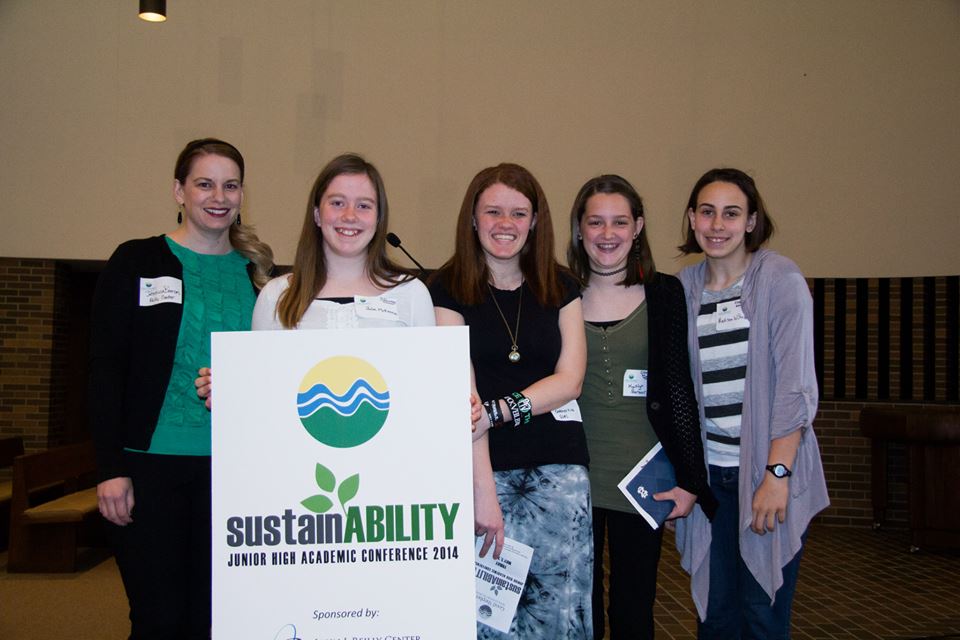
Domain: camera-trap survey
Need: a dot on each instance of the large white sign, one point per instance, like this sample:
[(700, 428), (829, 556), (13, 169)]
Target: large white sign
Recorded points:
[(342, 492)]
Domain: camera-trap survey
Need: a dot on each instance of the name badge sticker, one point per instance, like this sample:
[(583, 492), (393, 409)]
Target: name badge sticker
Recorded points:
[(382, 307), (635, 383), (730, 316), (155, 291), (569, 412)]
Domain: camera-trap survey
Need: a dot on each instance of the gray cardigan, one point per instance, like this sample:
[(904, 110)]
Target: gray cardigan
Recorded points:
[(780, 396)]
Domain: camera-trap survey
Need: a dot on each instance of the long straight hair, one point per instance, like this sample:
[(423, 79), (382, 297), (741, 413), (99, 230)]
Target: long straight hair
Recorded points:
[(640, 267), (309, 273), (466, 273)]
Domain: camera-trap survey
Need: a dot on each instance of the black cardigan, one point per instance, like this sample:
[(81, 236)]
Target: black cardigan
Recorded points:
[(671, 402), (131, 351)]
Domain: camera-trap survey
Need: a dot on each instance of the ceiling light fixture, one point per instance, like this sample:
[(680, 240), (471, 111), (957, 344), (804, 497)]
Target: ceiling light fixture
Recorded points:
[(153, 10)]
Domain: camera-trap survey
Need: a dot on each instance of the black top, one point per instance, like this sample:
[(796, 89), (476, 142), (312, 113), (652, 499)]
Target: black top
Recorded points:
[(131, 351), (544, 440), (671, 402)]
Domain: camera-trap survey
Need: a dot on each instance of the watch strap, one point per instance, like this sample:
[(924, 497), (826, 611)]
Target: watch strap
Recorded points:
[(784, 470)]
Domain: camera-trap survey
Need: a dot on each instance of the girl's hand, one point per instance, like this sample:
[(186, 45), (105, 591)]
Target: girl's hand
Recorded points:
[(476, 410), (683, 501), (488, 521), (202, 383), (481, 424), (770, 503)]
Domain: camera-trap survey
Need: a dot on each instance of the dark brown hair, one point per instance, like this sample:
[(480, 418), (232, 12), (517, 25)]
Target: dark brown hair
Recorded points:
[(466, 273), (310, 266), (763, 225), (204, 147), (640, 267)]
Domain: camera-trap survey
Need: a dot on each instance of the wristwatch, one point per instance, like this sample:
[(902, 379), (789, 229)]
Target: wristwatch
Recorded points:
[(779, 470)]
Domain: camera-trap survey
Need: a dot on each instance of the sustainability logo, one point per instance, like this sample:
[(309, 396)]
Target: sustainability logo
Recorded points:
[(343, 401)]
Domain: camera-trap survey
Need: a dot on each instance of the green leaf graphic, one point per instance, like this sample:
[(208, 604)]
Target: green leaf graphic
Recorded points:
[(325, 478), (348, 489), (318, 503)]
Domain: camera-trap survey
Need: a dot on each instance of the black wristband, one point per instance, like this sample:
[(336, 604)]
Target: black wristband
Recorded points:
[(514, 410), (489, 412), (525, 406), (492, 407)]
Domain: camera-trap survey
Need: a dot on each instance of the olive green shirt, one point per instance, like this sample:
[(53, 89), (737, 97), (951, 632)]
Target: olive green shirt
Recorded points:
[(618, 431)]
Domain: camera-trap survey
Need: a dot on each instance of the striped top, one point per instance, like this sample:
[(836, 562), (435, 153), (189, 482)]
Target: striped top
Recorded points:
[(722, 332)]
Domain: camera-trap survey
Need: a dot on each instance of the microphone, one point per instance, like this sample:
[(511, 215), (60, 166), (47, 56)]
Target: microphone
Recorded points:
[(394, 241)]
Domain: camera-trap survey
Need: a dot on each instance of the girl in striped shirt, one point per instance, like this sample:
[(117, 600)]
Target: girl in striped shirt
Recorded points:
[(751, 351)]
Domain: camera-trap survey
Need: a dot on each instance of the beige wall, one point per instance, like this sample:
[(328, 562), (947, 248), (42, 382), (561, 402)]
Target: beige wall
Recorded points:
[(846, 111)]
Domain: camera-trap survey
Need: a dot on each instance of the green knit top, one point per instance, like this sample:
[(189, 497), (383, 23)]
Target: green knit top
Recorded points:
[(217, 296), (618, 431)]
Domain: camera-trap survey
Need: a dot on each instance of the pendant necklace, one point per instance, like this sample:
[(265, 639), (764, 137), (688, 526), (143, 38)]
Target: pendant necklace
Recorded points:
[(514, 355)]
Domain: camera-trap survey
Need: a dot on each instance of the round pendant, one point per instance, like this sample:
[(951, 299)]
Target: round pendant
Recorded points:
[(514, 356)]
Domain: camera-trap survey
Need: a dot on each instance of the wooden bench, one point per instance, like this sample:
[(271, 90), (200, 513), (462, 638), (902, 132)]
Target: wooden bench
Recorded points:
[(52, 509), (932, 437), (10, 448)]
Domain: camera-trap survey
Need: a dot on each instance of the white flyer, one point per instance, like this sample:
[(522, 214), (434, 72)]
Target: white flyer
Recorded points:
[(500, 582)]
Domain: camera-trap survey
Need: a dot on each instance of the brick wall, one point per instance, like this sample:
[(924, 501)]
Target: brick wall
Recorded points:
[(31, 371), (882, 342), (846, 464)]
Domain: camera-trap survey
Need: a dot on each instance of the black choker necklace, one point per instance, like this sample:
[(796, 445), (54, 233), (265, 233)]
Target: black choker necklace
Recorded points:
[(608, 273)]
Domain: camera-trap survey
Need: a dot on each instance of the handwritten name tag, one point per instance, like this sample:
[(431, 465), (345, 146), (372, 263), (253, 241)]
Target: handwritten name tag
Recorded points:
[(569, 412), (635, 383), (159, 290), (730, 316), (382, 307)]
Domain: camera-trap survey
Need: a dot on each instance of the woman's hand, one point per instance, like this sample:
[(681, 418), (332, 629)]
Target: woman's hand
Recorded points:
[(770, 503), (683, 501), (115, 499), (202, 383)]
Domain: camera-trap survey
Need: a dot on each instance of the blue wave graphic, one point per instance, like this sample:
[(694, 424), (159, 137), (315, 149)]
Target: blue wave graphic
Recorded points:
[(319, 396)]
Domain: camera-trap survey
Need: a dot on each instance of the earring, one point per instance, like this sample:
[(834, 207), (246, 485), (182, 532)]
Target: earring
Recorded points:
[(579, 236), (474, 223), (238, 218), (180, 214), (636, 250)]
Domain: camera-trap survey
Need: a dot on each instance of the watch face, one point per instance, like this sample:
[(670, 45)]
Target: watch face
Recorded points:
[(779, 470)]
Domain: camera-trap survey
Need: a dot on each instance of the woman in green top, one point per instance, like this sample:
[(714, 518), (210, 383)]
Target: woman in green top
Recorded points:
[(157, 301), (637, 391)]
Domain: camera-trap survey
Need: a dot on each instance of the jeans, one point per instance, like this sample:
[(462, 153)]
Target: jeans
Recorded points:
[(738, 607)]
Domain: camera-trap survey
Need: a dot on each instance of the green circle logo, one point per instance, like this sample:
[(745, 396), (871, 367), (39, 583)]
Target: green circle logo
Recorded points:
[(343, 401)]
